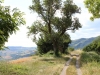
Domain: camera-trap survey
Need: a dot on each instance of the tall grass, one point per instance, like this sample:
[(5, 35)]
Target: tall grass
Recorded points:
[(10, 69), (91, 68), (90, 63), (46, 66), (37, 66)]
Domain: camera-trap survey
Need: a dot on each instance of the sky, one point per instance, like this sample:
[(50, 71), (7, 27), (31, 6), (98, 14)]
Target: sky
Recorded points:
[(89, 28)]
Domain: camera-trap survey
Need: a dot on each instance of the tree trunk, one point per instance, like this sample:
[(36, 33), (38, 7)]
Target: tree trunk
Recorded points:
[(55, 47)]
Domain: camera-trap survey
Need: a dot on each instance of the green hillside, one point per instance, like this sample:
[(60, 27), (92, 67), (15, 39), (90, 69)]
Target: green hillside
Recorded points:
[(94, 46), (81, 43)]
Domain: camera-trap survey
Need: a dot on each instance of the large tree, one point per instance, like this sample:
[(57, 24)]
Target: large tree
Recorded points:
[(10, 20), (93, 7), (56, 18)]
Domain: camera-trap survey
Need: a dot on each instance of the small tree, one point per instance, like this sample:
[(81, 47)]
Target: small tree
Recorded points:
[(51, 26)]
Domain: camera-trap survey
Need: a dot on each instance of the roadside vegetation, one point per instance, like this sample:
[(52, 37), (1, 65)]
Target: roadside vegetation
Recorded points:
[(38, 65), (90, 63), (12, 69), (90, 58)]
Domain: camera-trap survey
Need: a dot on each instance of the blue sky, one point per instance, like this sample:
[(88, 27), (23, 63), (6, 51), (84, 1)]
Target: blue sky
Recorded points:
[(89, 28)]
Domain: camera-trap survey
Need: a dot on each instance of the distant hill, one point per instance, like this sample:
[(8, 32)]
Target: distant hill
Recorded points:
[(81, 43), (15, 52)]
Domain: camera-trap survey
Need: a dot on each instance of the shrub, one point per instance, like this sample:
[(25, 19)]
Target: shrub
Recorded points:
[(70, 49), (89, 57), (93, 47)]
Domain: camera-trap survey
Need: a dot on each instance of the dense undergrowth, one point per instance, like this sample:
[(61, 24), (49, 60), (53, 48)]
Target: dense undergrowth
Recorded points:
[(90, 63)]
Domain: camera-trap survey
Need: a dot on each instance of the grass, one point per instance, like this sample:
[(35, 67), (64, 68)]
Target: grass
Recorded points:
[(90, 62), (46, 66), (37, 66), (78, 52), (91, 68), (12, 69)]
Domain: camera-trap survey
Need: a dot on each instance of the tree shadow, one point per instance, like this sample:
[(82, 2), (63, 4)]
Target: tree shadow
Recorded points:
[(56, 58)]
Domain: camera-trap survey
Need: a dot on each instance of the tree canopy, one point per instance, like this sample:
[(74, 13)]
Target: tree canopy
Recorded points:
[(93, 7), (10, 20), (56, 18)]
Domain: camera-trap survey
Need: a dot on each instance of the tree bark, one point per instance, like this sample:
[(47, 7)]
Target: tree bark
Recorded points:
[(56, 51)]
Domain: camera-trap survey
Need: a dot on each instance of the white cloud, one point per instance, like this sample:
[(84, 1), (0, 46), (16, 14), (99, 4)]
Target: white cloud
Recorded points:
[(20, 39)]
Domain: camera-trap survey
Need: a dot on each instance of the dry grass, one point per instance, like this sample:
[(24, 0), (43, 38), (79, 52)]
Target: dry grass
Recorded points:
[(71, 70), (90, 63), (45, 66), (76, 52), (20, 60), (92, 68), (34, 66)]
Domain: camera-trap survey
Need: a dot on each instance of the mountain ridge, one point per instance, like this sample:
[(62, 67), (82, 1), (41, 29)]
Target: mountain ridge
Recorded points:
[(82, 42)]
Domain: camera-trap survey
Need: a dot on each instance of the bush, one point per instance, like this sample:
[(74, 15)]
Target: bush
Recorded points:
[(94, 46), (44, 46), (70, 49), (89, 57)]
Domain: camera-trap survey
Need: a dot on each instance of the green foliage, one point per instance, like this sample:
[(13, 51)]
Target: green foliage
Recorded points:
[(10, 20), (51, 27), (45, 45), (1, 1), (94, 46), (89, 57), (70, 49), (93, 7), (49, 54)]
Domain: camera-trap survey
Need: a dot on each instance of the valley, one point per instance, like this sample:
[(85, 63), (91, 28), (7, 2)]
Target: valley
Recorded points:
[(16, 52)]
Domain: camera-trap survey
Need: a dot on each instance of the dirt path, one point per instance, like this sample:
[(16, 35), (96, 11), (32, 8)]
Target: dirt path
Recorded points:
[(79, 72), (66, 66), (68, 63)]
